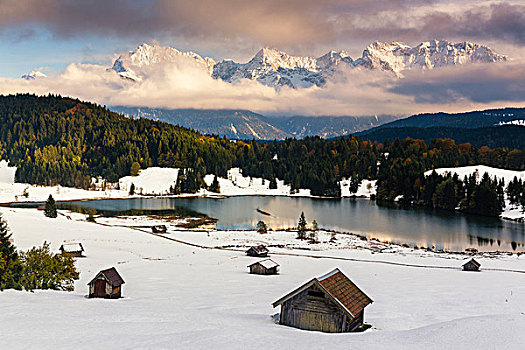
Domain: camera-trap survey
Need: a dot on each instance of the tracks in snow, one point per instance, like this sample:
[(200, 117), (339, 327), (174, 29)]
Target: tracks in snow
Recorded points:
[(385, 262)]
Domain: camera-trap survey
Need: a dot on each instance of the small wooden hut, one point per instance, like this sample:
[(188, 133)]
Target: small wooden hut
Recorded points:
[(331, 303), (106, 284), (264, 267), (73, 249), (471, 265), (159, 229), (259, 251)]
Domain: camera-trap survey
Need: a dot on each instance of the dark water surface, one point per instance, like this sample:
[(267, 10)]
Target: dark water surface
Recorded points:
[(415, 226)]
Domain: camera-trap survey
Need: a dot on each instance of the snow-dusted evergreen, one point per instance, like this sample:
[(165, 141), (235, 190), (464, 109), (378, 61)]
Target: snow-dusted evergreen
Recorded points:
[(276, 68)]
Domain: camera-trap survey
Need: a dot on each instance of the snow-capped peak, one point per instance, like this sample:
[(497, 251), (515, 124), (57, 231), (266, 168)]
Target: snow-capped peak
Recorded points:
[(129, 65), (33, 75), (397, 56)]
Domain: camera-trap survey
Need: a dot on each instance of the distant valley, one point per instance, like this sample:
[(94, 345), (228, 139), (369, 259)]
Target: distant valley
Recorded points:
[(247, 125)]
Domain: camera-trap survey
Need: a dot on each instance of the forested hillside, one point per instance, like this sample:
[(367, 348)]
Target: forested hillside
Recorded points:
[(510, 136), (54, 140)]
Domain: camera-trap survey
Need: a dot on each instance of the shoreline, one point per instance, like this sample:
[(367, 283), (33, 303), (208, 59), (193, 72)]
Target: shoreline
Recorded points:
[(371, 243)]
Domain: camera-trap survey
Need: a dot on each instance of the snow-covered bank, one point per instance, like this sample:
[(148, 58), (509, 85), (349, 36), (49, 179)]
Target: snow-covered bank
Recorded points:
[(507, 175), (509, 212), (20, 192), (179, 296), (157, 181)]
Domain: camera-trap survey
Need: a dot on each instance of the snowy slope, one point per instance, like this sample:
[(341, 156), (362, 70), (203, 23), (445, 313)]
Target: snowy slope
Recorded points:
[(509, 212), (520, 122), (180, 296), (151, 181), (508, 175)]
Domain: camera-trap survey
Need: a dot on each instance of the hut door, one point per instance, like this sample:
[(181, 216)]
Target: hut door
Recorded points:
[(100, 288)]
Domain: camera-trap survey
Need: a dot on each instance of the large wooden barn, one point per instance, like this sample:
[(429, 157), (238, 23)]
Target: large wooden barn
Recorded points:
[(264, 267), (471, 265), (106, 284), (331, 303), (259, 251), (72, 249)]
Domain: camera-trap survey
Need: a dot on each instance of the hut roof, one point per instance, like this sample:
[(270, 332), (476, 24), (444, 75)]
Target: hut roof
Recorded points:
[(266, 263), (340, 288), (72, 247), (111, 275), (260, 249), (477, 264)]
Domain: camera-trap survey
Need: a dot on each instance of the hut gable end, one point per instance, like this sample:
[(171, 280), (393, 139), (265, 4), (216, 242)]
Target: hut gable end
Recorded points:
[(331, 303), (106, 284), (471, 265)]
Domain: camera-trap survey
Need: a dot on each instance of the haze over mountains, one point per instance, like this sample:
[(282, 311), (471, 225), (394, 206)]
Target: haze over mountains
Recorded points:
[(275, 68), (247, 125)]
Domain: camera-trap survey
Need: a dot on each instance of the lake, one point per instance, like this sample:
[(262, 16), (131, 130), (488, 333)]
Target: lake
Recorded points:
[(415, 226)]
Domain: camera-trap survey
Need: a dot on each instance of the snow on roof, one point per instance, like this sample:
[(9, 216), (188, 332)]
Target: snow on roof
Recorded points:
[(72, 247), (266, 263), (477, 264), (329, 274)]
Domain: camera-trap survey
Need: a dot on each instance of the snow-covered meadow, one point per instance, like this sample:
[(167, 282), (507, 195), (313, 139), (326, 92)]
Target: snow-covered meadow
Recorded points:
[(182, 296)]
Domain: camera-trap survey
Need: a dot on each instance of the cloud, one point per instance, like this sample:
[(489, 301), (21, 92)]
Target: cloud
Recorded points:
[(474, 21), (301, 25), (477, 83), (181, 84)]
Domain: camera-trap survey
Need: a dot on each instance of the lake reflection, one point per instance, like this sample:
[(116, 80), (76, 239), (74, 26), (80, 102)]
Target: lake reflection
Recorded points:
[(419, 226)]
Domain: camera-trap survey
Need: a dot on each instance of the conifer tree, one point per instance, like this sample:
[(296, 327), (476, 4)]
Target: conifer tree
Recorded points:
[(215, 187), (50, 208), (132, 189), (135, 169), (261, 227), (301, 227), (10, 267)]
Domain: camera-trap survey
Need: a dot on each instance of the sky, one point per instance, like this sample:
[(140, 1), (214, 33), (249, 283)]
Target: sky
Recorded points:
[(70, 39)]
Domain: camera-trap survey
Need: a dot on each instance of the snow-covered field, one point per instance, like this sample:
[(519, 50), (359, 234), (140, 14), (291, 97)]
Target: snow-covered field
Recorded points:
[(181, 296), (510, 212)]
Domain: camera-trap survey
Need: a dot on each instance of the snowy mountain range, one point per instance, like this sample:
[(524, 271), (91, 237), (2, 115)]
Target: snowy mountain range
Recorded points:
[(276, 68)]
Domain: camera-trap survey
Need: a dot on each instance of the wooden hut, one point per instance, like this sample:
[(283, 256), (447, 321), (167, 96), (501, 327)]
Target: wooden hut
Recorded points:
[(264, 267), (331, 303), (106, 284), (471, 265), (73, 249), (159, 229), (259, 251)]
